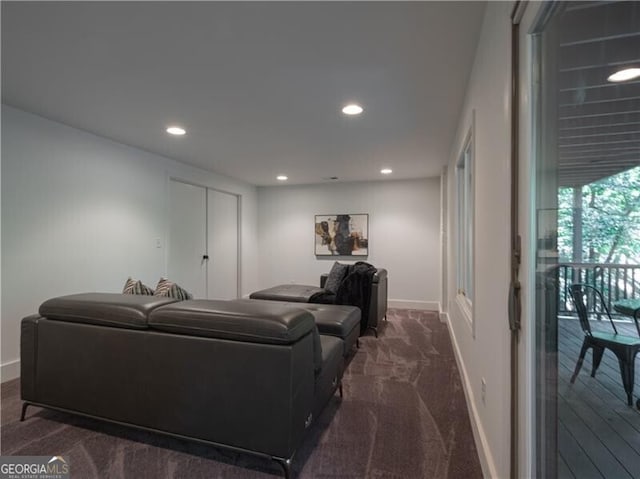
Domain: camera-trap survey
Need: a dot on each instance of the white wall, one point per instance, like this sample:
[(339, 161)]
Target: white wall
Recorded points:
[(81, 213), (404, 228), (1, 348), (486, 354)]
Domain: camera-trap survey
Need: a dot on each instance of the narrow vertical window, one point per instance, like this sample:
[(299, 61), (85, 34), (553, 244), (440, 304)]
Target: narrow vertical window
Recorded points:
[(465, 194)]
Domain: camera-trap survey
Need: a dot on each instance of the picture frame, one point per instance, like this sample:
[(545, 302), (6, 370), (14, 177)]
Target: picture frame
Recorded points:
[(345, 234)]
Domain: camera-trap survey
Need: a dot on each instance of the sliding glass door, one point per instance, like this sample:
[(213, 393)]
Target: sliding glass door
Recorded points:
[(585, 230)]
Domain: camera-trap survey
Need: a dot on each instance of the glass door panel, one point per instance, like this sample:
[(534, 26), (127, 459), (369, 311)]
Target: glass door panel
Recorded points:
[(587, 231)]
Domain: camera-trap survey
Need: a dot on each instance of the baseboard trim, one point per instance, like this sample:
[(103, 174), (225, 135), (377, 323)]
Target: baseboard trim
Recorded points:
[(486, 459), (411, 304), (10, 370)]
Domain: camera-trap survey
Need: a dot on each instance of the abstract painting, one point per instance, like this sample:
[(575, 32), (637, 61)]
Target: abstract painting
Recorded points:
[(342, 235)]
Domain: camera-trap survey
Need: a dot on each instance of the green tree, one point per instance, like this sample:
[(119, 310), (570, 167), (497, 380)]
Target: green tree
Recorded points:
[(610, 220)]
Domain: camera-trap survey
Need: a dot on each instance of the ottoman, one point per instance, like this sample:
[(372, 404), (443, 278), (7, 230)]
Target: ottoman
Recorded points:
[(331, 319), (295, 293)]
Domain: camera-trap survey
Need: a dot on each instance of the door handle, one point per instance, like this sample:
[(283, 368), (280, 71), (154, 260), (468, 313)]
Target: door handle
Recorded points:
[(514, 306), (205, 257)]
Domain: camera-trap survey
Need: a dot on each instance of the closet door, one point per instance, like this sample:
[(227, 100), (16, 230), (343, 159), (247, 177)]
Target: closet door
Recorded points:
[(187, 237), (222, 221)]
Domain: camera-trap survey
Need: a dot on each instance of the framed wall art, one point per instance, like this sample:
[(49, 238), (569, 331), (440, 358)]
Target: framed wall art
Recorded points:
[(342, 235)]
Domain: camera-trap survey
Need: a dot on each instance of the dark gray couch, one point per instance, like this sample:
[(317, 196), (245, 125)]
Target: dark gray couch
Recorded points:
[(303, 293), (249, 376)]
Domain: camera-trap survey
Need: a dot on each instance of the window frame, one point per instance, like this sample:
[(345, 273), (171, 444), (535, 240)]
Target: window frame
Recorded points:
[(465, 220)]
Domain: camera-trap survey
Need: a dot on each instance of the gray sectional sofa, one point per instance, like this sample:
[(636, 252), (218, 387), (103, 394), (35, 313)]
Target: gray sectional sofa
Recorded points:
[(247, 375)]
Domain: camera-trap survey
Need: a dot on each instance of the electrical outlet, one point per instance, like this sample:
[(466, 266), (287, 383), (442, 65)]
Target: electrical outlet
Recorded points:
[(484, 391), (158, 242)]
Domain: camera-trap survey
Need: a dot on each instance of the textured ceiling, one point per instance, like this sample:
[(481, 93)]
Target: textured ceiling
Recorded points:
[(598, 121), (257, 85)]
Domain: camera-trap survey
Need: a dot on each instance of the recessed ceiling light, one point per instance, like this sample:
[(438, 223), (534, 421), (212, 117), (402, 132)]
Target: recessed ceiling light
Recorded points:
[(352, 109), (282, 177), (625, 75), (386, 171), (176, 130)]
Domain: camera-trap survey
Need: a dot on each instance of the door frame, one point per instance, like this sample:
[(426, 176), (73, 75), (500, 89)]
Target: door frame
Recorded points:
[(530, 23)]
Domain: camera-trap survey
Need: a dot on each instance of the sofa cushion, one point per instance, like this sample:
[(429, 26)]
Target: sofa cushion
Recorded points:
[(332, 319), (135, 286), (335, 320), (296, 293), (244, 321), (336, 275), (104, 309)]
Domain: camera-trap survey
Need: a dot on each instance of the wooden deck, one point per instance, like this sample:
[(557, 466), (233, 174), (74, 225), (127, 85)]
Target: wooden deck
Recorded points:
[(598, 434)]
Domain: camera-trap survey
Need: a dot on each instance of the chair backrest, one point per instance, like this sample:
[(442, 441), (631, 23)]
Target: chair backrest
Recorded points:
[(579, 293)]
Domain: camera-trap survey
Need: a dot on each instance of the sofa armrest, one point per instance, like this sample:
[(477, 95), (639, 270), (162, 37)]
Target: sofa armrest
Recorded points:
[(379, 291), (380, 276), (323, 279), (28, 356)]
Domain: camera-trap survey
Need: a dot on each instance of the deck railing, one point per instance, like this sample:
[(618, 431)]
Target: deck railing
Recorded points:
[(615, 282)]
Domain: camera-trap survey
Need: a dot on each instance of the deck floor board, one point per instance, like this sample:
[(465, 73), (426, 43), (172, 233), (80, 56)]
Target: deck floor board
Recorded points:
[(598, 434)]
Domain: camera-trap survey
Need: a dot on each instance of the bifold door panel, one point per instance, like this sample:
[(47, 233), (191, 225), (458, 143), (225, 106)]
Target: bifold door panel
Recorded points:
[(203, 241)]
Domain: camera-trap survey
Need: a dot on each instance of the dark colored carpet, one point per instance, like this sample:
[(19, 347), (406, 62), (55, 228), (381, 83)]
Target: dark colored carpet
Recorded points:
[(403, 416)]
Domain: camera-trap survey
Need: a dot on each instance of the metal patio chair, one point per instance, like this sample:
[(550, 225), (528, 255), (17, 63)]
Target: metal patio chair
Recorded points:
[(624, 347)]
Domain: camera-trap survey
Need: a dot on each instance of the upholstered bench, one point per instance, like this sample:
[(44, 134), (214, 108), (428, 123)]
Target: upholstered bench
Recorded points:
[(331, 319)]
